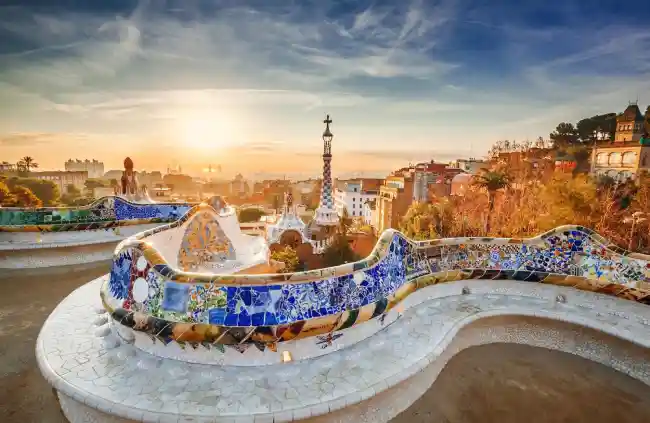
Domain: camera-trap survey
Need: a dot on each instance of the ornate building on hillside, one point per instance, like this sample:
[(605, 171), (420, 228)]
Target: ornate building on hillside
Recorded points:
[(630, 124), (626, 156)]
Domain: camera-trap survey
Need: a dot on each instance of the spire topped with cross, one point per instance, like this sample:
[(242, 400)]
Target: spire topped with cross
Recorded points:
[(327, 137), (326, 214)]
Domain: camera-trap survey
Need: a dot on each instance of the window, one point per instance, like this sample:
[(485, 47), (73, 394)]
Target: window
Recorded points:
[(601, 158), (629, 158), (615, 158), (353, 205), (353, 212), (353, 198)]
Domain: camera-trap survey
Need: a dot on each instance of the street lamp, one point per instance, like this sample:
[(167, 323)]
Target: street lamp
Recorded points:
[(635, 219)]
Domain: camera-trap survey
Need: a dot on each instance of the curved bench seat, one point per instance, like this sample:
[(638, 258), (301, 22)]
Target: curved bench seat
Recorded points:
[(54, 236), (98, 374), (264, 311)]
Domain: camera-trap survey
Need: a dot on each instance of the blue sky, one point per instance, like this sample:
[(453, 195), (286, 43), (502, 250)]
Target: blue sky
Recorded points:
[(247, 83)]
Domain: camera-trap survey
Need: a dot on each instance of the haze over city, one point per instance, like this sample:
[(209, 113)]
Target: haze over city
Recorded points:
[(247, 84)]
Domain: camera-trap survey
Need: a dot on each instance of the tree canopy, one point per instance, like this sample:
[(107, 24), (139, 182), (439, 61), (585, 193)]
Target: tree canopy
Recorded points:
[(250, 215), (7, 199), (25, 197), (289, 257), (565, 135), (46, 191)]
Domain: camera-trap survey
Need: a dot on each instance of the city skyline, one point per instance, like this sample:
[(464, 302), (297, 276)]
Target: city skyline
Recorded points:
[(247, 84)]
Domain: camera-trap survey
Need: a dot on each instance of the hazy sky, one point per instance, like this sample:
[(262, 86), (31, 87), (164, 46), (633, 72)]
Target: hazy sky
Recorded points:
[(246, 84)]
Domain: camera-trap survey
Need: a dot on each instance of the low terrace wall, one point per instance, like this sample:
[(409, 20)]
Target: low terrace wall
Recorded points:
[(147, 295)]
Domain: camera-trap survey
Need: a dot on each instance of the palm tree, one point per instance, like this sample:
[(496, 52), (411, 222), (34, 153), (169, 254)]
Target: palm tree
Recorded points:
[(27, 163), (492, 181)]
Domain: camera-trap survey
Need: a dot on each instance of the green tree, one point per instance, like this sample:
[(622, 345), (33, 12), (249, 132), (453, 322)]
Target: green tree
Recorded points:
[(565, 135), (46, 191), (491, 181), (290, 259), (587, 127), (570, 200), (92, 183), (27, 163), (251, 214), (339, 251), (7, 199), (25, 197), (428, 221), (72, 190)]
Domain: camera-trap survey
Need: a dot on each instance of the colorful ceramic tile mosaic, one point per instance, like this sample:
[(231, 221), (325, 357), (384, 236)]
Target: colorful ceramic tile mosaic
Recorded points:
[(103, 213), (204, 240), (266, 309)]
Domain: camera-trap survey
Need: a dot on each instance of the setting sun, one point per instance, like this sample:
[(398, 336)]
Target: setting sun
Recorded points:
[(205, 133)]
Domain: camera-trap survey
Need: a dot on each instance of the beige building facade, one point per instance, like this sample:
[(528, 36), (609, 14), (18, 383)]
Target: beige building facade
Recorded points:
[(625, 157), (63, 179)]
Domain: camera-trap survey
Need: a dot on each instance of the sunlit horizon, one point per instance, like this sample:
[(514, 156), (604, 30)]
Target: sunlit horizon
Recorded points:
[(246, 85)]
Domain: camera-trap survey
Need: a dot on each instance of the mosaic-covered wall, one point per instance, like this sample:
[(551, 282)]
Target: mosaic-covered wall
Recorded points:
[(146, 294), (105, 212)]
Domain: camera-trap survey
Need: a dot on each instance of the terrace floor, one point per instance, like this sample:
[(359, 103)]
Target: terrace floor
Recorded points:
[(494, 383)]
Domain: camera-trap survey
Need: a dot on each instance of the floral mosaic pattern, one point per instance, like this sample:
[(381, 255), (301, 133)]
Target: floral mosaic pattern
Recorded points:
[(571, 253), (120, 279), (204, 241), (97, 215), (227, 310)]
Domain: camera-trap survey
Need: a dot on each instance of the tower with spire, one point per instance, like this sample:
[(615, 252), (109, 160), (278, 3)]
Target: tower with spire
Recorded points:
[(326, 214)]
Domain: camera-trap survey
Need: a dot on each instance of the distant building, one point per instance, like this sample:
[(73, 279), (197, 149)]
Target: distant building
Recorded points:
[(625, 157), (304, 192), (471, 165), (63, 179), (238, 186), (7, 167), (150, 179), (370, 212), (351, 196), (113, 174), (94, 168), (180, 184), (395, 197), (461, 183)]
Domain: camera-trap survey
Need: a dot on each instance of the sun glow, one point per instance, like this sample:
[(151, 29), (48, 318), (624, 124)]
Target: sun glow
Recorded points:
[(205, 134)]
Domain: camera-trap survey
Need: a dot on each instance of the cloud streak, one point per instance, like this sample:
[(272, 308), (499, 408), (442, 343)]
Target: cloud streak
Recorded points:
[(415, 76)]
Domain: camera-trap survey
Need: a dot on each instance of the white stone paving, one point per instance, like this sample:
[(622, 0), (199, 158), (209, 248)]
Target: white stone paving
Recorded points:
[(86, 362)]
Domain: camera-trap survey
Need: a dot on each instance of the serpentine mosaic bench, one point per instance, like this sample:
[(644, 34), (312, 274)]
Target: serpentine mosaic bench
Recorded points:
[(196, 333), (27, 236)]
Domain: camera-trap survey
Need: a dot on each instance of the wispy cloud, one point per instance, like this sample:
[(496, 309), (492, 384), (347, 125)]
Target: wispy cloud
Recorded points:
[(417, 76)]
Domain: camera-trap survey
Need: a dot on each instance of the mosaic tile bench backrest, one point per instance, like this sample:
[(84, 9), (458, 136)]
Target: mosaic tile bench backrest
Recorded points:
[(104, 213), (146, 294)]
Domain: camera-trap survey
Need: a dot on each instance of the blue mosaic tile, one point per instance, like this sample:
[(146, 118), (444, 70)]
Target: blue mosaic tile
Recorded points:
[(120, 277), (127, 211), (257, 319), (175, 297), (217, 316), (294, 302), (270, 319)]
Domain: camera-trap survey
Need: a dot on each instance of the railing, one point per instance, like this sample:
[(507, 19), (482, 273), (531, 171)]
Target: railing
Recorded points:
[(145, 293), (103, 213)]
